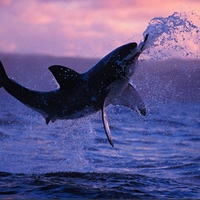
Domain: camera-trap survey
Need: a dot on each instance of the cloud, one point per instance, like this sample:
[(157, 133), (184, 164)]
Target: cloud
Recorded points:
[(5, 2), (75, 27)]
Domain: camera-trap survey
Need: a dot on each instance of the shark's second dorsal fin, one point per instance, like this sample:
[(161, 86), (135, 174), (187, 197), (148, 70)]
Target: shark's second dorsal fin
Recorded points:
[(67, 78)]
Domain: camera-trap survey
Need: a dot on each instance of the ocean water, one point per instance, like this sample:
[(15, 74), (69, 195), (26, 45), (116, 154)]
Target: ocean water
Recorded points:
[(155, 157)]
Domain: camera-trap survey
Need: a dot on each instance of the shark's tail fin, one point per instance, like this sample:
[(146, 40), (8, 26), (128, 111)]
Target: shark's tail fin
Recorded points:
[(3, 74)]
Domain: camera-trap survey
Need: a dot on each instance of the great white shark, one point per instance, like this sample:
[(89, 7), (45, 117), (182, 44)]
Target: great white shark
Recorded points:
[(79, 95)]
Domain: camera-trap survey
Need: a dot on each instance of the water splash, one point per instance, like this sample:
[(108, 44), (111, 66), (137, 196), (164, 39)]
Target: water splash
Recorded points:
[(174, 36)]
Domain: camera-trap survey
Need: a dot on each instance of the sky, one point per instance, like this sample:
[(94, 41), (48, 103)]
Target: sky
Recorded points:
[(80, 28)]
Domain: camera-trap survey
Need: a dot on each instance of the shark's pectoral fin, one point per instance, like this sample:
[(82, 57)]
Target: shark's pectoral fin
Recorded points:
[(66, 77), (131, 99), (106, 125)]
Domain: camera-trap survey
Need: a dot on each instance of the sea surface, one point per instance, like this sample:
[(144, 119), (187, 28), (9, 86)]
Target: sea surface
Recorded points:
[(154, 157)]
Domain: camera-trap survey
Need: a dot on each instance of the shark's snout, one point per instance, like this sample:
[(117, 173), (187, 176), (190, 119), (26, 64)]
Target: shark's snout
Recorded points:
[(135, 51)]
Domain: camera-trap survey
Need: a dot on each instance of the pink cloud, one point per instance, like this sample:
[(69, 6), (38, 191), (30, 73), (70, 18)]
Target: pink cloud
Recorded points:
[(5, 2), (78, 28)]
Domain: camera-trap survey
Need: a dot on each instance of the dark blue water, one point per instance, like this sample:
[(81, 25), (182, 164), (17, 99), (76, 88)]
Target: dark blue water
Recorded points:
[(154, 157)]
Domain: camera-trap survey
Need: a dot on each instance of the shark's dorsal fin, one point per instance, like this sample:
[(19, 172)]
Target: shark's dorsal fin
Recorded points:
[(67, 78), (131, 99), (105, 123)]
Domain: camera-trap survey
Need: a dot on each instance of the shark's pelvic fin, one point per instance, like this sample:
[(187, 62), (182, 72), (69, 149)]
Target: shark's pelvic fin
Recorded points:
[(66, 77), (48, 119), (105, 123), (131, 99)]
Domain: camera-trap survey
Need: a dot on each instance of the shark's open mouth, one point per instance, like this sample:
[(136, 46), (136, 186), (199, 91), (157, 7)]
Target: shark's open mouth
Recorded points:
[(130, 58), (135, 53)]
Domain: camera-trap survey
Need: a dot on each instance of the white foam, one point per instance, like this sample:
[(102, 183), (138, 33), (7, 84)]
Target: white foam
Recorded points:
[(174, 36)]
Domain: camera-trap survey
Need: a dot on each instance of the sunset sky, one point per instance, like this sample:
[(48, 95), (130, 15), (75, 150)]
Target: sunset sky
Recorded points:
[(84, 28)]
